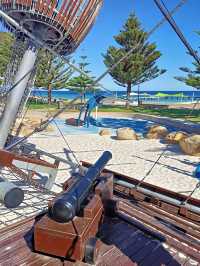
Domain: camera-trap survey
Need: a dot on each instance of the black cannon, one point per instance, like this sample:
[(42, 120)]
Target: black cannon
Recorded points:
[(69, 203)]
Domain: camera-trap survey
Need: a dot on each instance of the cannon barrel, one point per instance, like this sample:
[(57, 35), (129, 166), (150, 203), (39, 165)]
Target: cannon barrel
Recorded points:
[(69, 203)]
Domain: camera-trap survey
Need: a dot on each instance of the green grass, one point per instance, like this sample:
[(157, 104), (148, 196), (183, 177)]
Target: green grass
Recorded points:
[(115, 109), (172, 113), (42, 106)]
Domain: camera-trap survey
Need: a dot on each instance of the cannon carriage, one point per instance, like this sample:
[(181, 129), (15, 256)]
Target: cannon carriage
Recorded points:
[(73, 219)]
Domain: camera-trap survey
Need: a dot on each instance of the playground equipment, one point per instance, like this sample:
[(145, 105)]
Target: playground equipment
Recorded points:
[(85, 112), (75, 216), (197, 172), (92, 103), (60, 25), (156, 225)]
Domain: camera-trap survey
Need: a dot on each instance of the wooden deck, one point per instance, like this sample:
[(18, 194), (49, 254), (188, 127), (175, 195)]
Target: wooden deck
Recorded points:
[(125, 240), (145, 231)]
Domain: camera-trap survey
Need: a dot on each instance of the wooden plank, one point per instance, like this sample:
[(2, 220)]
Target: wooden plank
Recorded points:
[(171, 219), (162, 227), (181, 260), (50, 12), (64, 2), (76, 35), (159, 257), (69, 17), (73, 14), (151, 187), (84, 16), (179, 219), (143, 254), (171, 240)]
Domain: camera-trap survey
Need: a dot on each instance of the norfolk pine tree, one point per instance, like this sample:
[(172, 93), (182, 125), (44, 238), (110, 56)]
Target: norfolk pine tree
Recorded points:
[(140, 66), (82, 83), (52, 73), (6, 41), (193, 76)]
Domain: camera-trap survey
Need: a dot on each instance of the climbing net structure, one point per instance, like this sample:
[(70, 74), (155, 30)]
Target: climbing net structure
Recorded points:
[(60, 26)]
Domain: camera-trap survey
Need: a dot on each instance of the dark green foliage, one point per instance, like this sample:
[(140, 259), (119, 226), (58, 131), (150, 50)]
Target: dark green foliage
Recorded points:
[(6, 41), (193, 76), (52, 73), (140, 66), (82, 83)]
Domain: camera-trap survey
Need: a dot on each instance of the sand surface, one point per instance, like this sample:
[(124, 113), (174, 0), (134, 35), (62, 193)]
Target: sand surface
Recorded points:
[(134, 158), (174, 171)]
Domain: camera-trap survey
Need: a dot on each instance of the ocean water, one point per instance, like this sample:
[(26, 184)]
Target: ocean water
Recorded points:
[(69, 95)]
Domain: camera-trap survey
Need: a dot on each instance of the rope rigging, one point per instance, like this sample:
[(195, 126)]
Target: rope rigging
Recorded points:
[(168, 17), (164, 10), (44, 124), (66, 60), (63, 137), (96, 82)]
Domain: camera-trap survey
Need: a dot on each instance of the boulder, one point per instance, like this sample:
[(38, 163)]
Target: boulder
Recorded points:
[(126, 133), (35, 122), (73, 122), (175, 137), (105, 132), (191, 145), (50, 128), (25, 131), (157, 132)]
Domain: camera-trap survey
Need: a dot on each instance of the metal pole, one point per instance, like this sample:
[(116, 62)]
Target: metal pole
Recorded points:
[(14, 98), (96, 113), (168, 199)]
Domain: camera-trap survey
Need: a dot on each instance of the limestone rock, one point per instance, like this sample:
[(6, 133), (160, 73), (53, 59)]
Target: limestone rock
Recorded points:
[(35, 122), (157, 132), (25, 131), (191, 145), (175, 137), (49, 128), (105, 132), (73, 122), (126, 133)]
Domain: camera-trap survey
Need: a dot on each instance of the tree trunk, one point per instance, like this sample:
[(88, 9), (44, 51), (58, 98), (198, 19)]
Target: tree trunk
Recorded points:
[(138, 96), (128, 94), (84, 98), (81, 97), (49, 94)]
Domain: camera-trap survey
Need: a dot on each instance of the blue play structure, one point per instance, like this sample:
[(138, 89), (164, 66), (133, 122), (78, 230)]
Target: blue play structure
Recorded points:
[(93, 102), (197, 172)]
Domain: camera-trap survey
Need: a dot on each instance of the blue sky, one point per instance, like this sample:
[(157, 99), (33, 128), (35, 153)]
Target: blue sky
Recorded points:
[(114, 14), (110, 20)]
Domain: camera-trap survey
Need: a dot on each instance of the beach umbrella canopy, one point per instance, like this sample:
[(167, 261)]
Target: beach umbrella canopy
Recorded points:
[(180, 94), (145, 94), (162, 94)]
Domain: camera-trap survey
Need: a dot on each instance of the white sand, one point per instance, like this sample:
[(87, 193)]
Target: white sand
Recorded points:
[(134, 158)]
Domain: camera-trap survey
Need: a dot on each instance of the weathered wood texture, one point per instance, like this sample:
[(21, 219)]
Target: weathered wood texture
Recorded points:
[(122, 243)]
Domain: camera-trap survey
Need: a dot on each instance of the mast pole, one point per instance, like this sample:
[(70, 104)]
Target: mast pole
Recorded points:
[(15, 97)]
